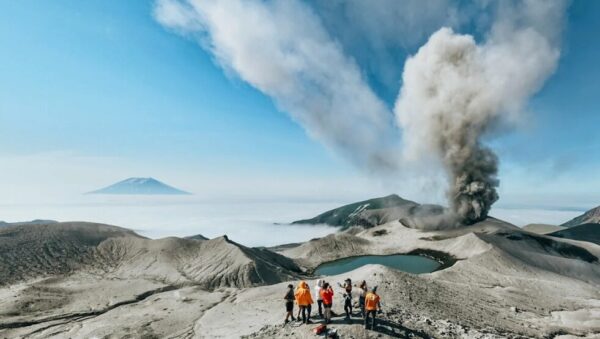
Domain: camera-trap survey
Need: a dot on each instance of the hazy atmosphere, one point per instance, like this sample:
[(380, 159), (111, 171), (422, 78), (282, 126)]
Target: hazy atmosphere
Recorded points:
[(252, 223)]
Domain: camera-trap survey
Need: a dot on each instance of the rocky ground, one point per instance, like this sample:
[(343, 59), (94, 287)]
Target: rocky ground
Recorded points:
[(501, 282)]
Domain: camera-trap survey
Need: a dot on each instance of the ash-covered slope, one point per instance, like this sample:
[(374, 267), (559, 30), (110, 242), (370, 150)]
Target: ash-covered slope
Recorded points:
[(61, 278), (542, 228), (366, 213), (392, 238), (505, 282), (213, 263), (584, 232), (590, 217), (30, 251), (33, 250)]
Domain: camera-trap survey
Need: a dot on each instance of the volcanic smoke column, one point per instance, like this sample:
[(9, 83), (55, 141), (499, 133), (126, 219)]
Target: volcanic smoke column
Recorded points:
[(454, 92)]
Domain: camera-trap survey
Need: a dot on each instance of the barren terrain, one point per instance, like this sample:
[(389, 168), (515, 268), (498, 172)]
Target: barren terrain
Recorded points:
[(78, 280)]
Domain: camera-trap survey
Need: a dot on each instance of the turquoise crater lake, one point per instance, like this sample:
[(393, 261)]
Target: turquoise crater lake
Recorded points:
[(415, 264)]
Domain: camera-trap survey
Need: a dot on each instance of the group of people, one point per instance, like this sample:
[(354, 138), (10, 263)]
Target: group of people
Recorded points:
[(368, 301)]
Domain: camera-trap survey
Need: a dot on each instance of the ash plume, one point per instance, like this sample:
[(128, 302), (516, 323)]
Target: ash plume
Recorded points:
[(456, 91)]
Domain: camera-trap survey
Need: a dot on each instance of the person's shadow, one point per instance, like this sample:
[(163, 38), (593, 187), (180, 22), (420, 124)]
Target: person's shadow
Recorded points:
[(396, 330), (387, 327)]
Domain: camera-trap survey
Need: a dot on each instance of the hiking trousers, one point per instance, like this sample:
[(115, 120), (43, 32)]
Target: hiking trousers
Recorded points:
[(320, 304), (370, 314), (327, 313), (361, 304), (348, 307), (305, 309)]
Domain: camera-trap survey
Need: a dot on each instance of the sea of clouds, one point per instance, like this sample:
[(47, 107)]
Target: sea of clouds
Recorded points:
[(252, 223)]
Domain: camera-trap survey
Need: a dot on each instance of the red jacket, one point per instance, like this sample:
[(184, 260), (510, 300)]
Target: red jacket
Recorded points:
[(327, 296)]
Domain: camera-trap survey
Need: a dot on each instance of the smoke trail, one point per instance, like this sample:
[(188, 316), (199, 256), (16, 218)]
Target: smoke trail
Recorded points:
[(282, 49), (455, 92)]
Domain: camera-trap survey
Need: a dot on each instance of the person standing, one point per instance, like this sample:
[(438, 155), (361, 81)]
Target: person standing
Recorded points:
[(289, 303), (318, 287), (309, 306), (372, 305), (304, 301), (327, 296), (361, 297), (299, 308), (347, 297)]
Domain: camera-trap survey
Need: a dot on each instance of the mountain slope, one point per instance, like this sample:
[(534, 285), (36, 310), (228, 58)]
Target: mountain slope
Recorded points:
[(32, 222), (542, 228), (139, 186), (32, 251), (197, 237), (213, 263), (584, 232), (366, 213), (590, 217)]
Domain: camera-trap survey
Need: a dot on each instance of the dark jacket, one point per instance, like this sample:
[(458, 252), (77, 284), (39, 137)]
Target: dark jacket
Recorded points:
[(289, 296)]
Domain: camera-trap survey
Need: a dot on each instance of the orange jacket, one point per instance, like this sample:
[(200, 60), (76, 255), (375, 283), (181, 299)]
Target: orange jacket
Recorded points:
[(303, 297), (371, 301)]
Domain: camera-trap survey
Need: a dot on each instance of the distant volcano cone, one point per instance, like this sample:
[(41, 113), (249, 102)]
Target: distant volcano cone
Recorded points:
[(146, 186)]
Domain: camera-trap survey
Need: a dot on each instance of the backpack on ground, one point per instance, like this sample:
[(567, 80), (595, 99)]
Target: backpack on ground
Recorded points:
[(320, 329)]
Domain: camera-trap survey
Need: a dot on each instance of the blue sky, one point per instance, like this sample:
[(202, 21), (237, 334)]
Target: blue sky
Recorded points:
[(103, 80)]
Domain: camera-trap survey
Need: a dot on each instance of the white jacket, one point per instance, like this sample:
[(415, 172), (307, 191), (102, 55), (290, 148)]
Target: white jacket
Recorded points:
[(318, 290)]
